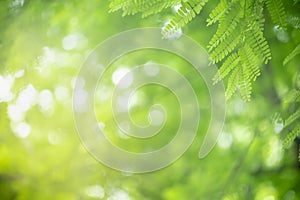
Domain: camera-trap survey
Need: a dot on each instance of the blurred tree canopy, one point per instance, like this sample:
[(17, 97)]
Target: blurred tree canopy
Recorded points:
[(42, 47)]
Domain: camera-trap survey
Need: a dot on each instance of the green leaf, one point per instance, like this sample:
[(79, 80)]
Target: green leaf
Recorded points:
[(289, 139), (233, 82), (227, 26), (277, 12), (292, 96), (217, 13), (292, 55), (255, 34), (146, 7), (230, 63), (292, 118), (188, 11)]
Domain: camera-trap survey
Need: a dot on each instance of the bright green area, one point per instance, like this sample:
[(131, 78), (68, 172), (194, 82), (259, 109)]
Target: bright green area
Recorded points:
[(42, 47)]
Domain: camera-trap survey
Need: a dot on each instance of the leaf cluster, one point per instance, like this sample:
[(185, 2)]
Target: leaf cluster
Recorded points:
[(239, 44), (291, 123)]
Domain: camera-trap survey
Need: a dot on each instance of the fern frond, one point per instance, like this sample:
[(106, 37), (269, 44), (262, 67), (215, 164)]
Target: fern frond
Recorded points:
[(227, 25), (277, 12), (294, 21), (188, 11), (226, 47), (289, 139), (128, 6), (158, 7), (292, 118), (239, 41), (233, 82), (245, 85), (229, 64), (292, 55), (255, 35), (292, 96), (236, 27), (146, 7), (217, 12), (250, 63)]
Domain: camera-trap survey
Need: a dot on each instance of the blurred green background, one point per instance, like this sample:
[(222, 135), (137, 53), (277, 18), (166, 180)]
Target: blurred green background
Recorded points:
[(42, 47)]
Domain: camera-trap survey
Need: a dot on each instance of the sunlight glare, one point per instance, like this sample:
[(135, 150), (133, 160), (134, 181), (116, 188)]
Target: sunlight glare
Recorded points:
[(61, 93), (45, 100), (22, 129), (19, 73), (119, 195), (81, 96), (273, 152), (95, 191), (6, 84), (122, 73), (225, 140), (15, 113), (70, 42), (27, 98)]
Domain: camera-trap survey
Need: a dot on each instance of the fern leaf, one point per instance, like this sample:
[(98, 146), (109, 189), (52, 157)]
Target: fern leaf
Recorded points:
[(289, 139), (235, 28), (233, 82), (184, 15), (146, 7), (292, 96), (292, 55), (128, 6), (277, 12), (226, 26), (255, 35), (250, 70), (293, 117), (245, 85), (226, 47), (294, 21), (245, 89), (158, 7), (217, 12), (229, 64), (250, 63)]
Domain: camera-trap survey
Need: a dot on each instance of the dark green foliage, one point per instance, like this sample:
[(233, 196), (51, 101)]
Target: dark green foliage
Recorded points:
[(294, 21), (277, 12)]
